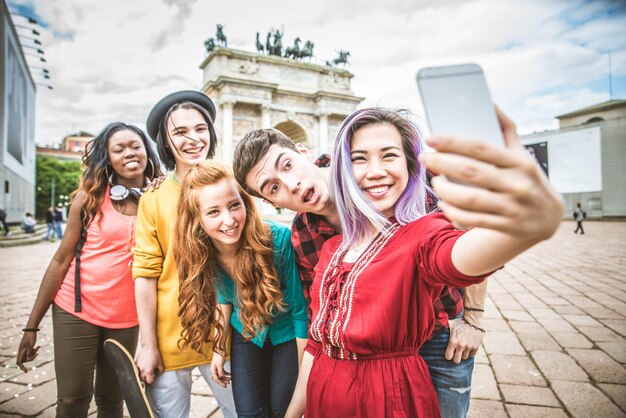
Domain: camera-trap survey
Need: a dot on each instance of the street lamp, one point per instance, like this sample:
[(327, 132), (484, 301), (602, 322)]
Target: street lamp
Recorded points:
[(52, 190)]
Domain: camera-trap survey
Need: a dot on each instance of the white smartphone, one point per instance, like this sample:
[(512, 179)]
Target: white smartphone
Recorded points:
[(457, 102)]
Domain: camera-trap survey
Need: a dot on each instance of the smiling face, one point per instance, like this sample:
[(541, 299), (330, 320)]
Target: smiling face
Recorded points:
[(222, 213), (189, 137), (379, 165), (287, 179), (128, 157)]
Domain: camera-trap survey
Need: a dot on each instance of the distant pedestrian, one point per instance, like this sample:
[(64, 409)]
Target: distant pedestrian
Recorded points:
[(3, 222), (58, 223), (28, 223), (579, 215), (50, 232)]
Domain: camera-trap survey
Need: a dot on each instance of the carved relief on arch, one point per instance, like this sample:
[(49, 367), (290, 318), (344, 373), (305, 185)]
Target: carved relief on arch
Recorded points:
[(250, 66)]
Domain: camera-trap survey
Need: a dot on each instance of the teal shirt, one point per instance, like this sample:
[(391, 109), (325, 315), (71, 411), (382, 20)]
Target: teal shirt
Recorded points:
[(288, 324)]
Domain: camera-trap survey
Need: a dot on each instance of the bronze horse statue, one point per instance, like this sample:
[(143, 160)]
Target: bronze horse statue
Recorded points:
[(276, 47), (220, 37), (293, 51), (259, 45), (342, 58), (307, 50), (209, 44)]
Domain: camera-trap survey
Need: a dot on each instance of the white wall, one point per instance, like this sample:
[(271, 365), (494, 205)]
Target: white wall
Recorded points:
[(574, 158)]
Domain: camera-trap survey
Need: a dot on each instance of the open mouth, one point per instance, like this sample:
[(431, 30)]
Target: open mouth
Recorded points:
[(308, 196), (193, 152), (230, 232), (132, 164), (377, 190)]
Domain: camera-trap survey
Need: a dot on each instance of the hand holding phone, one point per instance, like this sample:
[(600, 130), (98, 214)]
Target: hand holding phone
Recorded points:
[(503, 188), (457, 103)]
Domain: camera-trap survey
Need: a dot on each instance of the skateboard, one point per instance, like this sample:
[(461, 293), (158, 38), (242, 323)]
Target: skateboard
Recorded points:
[(128, 377)]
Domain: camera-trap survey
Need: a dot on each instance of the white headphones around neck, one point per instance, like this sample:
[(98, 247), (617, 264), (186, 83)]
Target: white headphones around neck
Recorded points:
[(119, 192)]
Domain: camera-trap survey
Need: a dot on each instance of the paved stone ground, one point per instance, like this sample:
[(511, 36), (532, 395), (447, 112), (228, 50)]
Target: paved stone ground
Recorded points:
[(555, 347)]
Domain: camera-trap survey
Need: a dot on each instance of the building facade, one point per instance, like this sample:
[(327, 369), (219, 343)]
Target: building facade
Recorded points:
[(59, 154), (17, 124), (305, 101), (72, 147), (76, 142), (586, 157)]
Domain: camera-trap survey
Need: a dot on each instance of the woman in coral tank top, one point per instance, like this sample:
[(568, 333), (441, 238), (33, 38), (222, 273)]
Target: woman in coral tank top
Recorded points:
[(99, 302)]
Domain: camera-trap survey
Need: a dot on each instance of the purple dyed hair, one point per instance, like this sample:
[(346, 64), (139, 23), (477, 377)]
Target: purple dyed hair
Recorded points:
[(355, 210)]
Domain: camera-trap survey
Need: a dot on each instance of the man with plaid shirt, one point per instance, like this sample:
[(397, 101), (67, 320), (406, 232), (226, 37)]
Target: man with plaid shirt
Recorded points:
[(269, 165)]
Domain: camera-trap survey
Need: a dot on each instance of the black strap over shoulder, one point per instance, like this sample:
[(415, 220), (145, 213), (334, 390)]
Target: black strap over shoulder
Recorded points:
[(78, 307)]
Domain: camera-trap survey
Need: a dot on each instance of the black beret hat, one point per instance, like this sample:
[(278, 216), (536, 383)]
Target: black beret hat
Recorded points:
[(160, 109)]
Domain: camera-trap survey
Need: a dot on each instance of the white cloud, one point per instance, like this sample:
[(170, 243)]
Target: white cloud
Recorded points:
[(554, 104), (112, 60)]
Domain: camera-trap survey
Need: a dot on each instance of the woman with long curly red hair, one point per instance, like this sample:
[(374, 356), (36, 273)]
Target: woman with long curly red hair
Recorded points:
[(236, 269)]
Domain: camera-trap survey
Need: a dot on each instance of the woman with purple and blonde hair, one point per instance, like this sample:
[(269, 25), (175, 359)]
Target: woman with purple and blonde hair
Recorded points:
[(374, 286), (355, 210)]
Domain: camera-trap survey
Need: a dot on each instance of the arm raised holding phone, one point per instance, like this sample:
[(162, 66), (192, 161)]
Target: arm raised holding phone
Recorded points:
[(505, 195), (458, 104)]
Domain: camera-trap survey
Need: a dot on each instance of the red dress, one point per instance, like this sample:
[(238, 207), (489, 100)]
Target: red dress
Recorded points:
[(370, 318)]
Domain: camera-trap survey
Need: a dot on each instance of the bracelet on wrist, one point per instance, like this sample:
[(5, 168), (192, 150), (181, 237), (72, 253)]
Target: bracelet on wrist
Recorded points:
[(30, 329), (477, 328), (470, 309)]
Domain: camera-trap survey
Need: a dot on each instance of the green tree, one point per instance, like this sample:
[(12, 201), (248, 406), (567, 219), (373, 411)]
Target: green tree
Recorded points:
[(64, 174)]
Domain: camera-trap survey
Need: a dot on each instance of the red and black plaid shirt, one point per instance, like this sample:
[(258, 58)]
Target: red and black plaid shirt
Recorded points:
[(310, 231)]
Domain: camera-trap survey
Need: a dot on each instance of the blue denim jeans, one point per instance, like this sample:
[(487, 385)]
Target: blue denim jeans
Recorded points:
[(51, 232), (263, 378), (452, 381), (58, 229)]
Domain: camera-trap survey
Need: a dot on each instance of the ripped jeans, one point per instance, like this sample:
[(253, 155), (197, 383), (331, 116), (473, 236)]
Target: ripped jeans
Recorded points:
[(452, 381)]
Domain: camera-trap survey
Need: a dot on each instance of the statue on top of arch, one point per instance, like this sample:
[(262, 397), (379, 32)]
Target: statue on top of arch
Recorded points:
[(219, 40), (219, 35), (342, 58), (276, 47)]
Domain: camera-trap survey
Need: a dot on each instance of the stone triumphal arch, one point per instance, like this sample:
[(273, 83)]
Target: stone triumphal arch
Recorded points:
[(305, 101)]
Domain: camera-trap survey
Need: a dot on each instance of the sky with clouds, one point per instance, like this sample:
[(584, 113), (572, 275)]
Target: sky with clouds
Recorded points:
[(112, 60)]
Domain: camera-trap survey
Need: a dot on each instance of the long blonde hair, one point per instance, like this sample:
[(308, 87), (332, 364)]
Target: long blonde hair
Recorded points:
[(257, 286)]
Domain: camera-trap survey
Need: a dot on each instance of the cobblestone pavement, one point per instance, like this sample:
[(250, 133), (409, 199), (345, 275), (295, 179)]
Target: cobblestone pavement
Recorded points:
[(555, 347)]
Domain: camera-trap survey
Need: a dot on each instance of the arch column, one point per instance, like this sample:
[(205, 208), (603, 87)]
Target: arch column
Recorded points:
[(323, 132), (265, 116), (227, 130)]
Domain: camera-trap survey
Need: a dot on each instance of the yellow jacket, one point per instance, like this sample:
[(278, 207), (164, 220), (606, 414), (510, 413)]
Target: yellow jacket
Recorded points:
[(156, 220)]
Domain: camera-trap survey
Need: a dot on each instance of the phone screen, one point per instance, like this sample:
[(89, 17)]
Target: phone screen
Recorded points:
[(457, 103)]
